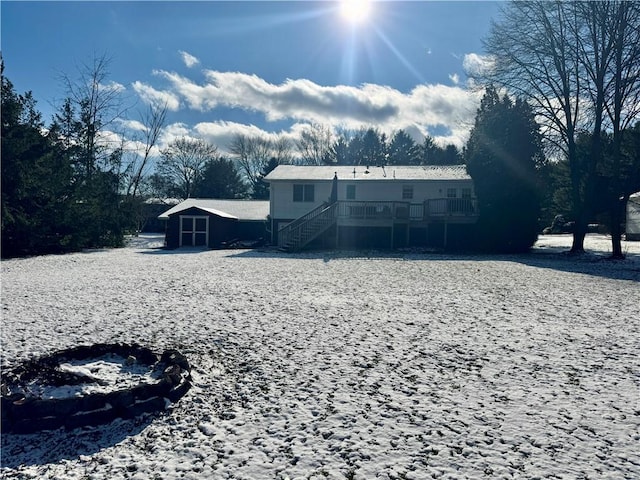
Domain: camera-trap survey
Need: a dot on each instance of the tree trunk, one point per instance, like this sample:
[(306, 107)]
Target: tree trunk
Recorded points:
[(617, 210), (578, 239), (578, 206)]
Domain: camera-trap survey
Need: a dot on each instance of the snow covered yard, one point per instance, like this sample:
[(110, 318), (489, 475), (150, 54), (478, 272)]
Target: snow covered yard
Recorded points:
[(346, 365)]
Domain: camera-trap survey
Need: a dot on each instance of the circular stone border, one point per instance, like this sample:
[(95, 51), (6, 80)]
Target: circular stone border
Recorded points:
[(28, 414)]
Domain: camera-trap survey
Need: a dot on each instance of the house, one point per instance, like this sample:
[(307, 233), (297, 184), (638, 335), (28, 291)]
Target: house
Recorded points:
[(151, 209), (215, 223), (632, 227), (371, 207)]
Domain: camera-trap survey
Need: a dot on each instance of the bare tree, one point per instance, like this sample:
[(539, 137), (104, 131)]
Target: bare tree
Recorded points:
[(99, 103), (534, 54), (153, 120), (623, 100), (184, 160), (569, 59), (252, 154), (315, 144), (90, 110), (282, 151)]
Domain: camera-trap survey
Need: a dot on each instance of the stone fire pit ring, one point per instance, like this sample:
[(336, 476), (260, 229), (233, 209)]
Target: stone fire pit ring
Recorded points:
[(91, 385)]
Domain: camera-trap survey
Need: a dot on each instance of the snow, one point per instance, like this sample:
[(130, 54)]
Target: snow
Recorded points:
[(107, 373), (345, 365)]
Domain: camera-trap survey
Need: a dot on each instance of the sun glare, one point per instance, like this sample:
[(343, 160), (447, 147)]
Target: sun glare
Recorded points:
[(355, 11)]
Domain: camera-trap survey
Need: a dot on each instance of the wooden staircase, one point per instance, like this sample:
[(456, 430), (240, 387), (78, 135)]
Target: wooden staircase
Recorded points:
[(296, 235)]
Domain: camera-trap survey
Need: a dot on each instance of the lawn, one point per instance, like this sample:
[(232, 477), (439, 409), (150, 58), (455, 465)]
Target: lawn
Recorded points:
[(346, 365)]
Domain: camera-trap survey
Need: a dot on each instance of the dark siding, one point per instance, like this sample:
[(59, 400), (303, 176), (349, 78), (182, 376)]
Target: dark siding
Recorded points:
[(221, 229), (277, 224), (172, 233), (364, 237), (252, 230)]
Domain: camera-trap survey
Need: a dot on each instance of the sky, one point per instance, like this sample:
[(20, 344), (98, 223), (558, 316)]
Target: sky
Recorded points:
[(262, 68)]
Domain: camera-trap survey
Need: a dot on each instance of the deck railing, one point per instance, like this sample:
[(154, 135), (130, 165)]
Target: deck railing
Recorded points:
[(302, 230), (438, 207)]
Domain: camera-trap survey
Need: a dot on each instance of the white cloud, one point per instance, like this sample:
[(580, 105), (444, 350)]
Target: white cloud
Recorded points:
[(455, 78), (475, 64), (188, 59), (342, 106), (134, 125), (151, 96), (221, 133), (112, 87), (174, 131)]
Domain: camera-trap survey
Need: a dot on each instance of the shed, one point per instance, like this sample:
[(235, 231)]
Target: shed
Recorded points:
[(214, 223), (633, 217)]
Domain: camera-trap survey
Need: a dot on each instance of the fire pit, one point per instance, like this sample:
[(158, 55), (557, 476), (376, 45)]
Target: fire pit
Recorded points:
[(91, 385)]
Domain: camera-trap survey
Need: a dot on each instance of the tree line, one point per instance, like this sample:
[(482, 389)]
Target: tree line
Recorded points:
[(60, 184), (578, 65), (194, 167), (79, 182), (556, 133)]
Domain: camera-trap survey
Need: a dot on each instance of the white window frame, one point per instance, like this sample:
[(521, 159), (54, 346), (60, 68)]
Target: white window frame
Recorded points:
[(407, 192), (308, 192), (194, 231)]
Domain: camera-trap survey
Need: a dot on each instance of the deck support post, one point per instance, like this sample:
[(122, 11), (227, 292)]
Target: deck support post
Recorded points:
[(445, 233)]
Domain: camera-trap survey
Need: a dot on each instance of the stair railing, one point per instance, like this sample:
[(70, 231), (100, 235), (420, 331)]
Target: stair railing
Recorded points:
[(302, 230)]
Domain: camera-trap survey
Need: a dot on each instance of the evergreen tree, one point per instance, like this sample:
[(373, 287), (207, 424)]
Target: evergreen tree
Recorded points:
[(339, 151), (261, 188), (503, 155), (432, 154), (403, 150), (93, 104), (35, 180), (220, 179), (450, 155)]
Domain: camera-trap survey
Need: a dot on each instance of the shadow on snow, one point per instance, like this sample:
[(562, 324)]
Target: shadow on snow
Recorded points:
[(557, 258), (52, 446)]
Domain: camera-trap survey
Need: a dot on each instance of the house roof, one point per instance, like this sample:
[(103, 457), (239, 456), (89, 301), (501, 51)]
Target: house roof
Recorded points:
[(238, 209), (361, 172)]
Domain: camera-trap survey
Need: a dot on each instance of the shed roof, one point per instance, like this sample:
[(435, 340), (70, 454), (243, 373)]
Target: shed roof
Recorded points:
[(238, 209), (361, 172)]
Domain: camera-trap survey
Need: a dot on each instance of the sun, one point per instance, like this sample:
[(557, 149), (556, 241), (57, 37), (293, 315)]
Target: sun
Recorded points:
[(355, 11)]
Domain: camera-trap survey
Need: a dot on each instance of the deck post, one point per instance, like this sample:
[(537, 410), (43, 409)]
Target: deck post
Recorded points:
[(393, 232), (445, 233)]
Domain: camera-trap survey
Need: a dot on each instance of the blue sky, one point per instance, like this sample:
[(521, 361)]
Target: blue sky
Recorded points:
[(261, 68)]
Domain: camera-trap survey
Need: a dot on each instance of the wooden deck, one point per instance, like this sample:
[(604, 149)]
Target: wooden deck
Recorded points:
[(453, 210)]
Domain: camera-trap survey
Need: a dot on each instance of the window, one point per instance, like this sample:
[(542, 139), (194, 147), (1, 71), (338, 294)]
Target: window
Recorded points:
[(194, 231), (407, 192), (452, 193), (351, 192), (466, 193), (303, 193)]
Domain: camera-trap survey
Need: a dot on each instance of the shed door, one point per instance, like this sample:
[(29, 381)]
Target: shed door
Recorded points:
[(194, 231)]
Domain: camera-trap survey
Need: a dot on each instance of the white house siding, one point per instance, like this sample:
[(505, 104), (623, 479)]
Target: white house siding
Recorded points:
[(633, 217), (375, 184), (283, 206), (392, 190)]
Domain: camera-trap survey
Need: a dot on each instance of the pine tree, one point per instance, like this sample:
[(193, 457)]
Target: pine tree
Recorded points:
[(503, 155), (220, 179), (261, 189)]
